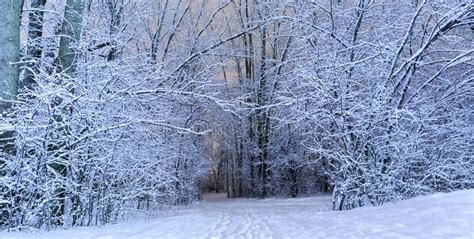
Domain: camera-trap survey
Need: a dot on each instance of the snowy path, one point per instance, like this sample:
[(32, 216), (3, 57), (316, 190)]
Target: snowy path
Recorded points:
[(435, 216)]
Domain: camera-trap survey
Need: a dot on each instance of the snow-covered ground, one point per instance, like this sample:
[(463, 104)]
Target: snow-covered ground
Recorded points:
[(435, 216)]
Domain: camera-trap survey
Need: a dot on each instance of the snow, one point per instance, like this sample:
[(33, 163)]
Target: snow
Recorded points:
[(442, 215)]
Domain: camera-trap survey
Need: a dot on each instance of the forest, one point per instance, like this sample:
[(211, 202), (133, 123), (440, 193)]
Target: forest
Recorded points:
[(109, 107)]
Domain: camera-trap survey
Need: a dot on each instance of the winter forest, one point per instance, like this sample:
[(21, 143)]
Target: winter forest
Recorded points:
[(109, 107)]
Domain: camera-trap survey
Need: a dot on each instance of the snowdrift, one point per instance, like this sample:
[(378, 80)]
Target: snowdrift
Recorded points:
[(441, 215)]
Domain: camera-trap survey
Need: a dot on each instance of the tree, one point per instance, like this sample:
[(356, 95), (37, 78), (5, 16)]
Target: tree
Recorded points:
[(70, 34), (9, 75), (35, 44), (9, 59)]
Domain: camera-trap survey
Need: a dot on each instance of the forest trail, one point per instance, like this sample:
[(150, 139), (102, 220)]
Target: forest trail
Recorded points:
[(434, 216)]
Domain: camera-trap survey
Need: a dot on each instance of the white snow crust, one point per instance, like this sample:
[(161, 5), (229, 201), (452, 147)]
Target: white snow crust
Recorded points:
[(441, 215)]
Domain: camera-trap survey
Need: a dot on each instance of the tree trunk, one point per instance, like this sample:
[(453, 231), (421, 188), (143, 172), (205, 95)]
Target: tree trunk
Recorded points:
[(10, 14), (34, 48), (9, 56), (9, 52), (70, 34), (116, 12)]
